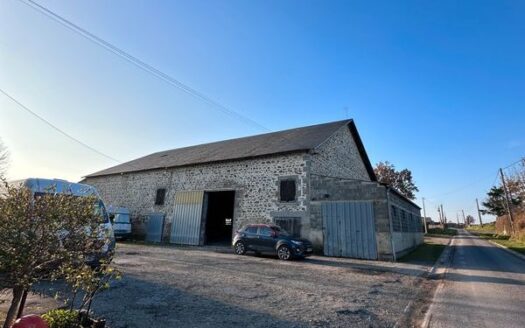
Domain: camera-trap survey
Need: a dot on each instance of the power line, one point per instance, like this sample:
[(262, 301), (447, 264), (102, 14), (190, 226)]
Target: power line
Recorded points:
[(460, 188), (145, 66), (140, 63), (521, 160), (57, 128)]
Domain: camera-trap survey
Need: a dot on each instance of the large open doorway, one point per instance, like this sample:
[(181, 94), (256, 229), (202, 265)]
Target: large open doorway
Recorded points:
[(219, 216)]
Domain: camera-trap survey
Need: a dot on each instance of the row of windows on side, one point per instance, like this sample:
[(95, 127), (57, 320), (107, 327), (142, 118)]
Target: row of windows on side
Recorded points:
[(403, 221)]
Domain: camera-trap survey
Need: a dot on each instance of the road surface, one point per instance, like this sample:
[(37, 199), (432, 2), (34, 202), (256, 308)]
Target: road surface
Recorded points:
[(484, 287)]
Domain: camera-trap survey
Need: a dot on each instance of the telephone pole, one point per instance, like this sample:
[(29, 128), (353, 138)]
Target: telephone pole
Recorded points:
[(425, 216), (479, 214), (508, 200), (443, 215), (464, 220)]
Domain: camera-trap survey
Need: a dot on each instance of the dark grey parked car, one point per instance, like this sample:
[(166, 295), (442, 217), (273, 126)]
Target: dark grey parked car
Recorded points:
[(270, 239)]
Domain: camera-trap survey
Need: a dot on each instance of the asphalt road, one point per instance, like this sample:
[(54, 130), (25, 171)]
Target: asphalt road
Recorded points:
[(484, 287)]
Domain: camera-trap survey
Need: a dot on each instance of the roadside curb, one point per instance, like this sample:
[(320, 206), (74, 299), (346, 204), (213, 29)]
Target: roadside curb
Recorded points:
[(518, 255), (438, 272), (443, 261), (441, 264)]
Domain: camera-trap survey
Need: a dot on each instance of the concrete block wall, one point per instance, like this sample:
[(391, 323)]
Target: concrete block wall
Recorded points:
[(404, 242), (333, 189)]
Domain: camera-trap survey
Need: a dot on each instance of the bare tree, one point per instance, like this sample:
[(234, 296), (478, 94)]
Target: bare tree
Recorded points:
[(470, 219), (4, 158)]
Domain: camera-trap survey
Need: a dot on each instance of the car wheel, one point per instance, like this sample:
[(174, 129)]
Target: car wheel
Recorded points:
[(240, 249), (284, 253)]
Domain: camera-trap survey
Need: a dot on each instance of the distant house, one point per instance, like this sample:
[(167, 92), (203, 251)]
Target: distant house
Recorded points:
[(315, 181)]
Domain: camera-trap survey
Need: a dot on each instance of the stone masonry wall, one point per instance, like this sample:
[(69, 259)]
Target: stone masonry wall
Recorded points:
[(254, 180), (339, 157)]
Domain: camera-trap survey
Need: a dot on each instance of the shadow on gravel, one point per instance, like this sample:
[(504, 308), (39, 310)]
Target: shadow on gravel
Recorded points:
[(372, 269), (133, 302)]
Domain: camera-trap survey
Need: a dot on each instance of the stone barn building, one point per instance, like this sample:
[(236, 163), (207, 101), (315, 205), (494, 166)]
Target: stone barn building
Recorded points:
[(316, 182)]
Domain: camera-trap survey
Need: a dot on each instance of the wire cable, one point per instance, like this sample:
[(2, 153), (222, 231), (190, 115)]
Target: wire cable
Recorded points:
[(459, 188), (140, 63), (56, 128)]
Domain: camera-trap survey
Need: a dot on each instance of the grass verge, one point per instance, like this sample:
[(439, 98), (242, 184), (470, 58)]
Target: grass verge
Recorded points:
[(487, 228), (426, 253), (515, 245), (438, 232)]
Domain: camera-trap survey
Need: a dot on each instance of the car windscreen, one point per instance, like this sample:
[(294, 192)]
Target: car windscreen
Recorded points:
[(100, 209), (121, 218)]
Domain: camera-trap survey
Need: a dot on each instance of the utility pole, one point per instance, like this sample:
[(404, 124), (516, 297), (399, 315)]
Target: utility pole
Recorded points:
[(440, 217), (479, 214), (507, 199), (443, 215), (464, 220), (425, 216)]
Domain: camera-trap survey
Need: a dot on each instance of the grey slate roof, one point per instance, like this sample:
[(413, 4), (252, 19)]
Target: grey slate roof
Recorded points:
[(287, 141)]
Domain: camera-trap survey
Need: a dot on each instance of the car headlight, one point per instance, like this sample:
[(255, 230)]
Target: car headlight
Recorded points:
[(296, 242)]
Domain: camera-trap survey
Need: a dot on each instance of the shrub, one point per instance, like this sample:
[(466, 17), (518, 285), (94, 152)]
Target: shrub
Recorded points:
[(33, 242), (61, 318)]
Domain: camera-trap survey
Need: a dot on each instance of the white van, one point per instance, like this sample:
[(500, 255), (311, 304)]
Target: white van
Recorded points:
[(48, 186), (119, 216)]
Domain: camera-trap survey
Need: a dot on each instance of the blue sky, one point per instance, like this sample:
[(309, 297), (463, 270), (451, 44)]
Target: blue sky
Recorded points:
[(434, 86)]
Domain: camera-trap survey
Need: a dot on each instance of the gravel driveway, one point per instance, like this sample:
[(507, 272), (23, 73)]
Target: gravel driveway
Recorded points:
[(200, 287)]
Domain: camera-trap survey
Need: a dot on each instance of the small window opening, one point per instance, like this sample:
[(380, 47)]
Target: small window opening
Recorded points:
[(159, 198), (287, 190)]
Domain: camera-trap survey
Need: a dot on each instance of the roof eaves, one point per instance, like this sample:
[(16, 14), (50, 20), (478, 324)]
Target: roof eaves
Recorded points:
[(395, 191), (362, 150), (96, 175)]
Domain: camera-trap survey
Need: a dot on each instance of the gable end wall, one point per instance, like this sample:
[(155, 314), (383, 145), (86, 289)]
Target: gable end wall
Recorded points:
[(339, 157)]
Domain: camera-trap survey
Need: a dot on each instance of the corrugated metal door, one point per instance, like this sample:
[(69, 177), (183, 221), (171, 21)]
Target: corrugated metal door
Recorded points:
[(154, 227), (349, 230), (187, 216)]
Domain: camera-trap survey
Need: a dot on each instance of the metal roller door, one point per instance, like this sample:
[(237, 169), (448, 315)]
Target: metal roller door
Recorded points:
[(349, 230), (187, 218)]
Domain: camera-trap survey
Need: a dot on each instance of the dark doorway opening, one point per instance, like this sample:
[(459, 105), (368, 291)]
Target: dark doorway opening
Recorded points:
[(219, 216)]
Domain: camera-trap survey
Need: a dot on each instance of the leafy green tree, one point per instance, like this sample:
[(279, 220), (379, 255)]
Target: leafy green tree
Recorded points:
[(402, 180), (41, 236)]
